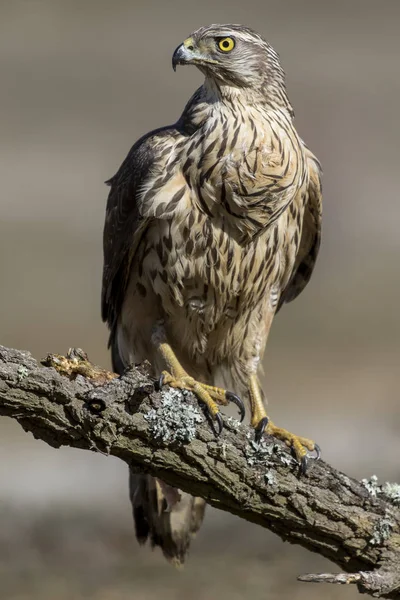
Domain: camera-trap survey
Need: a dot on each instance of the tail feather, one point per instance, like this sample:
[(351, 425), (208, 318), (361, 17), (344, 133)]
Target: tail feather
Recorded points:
[(137, 485), (197, 515), (168, 517)]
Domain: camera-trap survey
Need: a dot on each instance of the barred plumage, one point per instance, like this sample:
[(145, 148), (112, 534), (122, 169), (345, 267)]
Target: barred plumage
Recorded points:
[(212, 224)]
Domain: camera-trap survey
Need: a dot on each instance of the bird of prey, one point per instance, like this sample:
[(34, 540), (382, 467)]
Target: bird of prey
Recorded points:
[(211, 225)]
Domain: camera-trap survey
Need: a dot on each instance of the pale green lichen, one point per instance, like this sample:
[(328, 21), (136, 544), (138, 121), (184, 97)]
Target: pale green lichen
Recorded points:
[(22, 372), (173, 421), (371, 485), (270, 478), (284, 457), (382, 530), (222, 448), (390, 490), (233, 423), (265, 455), (259, 454)]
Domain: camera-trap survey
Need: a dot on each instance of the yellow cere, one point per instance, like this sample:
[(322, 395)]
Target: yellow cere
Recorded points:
[(226, 44), (189, 43)]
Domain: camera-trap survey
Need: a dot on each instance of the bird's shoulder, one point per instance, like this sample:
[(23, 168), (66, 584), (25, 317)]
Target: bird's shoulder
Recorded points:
[(141, 156), (124, 222)]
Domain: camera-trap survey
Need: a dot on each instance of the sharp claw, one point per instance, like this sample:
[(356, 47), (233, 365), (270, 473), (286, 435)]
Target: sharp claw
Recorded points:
[(259, 430), (159, 384), (303, 465), (317, 451), (231, 397), (215, 420), (218, 419)]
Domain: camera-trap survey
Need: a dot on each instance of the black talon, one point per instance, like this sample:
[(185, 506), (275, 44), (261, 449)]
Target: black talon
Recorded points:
[(215, 421), (317, 450), (260, 429), (303, 465), (159, 384), (231, 397), (218, 419)]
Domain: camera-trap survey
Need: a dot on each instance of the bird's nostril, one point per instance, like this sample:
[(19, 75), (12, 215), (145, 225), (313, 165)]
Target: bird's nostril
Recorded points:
[(190, 48)]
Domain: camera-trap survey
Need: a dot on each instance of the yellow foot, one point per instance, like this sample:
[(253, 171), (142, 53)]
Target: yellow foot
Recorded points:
[(211, 396), (300, 446)]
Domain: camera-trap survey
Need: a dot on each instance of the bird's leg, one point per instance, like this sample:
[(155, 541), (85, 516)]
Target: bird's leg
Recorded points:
[(177, 377), (262, 424)]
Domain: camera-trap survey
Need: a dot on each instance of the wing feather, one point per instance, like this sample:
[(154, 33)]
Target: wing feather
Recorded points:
[(124, 224), (310, 237)]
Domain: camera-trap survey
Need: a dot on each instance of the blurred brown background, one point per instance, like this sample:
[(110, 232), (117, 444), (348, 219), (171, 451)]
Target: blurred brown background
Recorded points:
[(80, 81)]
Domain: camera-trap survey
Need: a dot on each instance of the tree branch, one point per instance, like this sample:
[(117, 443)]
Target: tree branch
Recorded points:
[(71, 402)]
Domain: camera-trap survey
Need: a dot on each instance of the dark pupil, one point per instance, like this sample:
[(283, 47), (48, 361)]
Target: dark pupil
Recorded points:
[(225, 44)]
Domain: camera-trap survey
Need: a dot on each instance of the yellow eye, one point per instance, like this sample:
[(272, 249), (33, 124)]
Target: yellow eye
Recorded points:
[(226, 44)]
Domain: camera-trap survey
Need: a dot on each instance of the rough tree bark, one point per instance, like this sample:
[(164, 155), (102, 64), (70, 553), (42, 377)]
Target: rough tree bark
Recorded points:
[(68, 401)]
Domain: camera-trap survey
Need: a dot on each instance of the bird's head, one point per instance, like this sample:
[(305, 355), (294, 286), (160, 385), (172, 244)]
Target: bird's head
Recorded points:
[(230, 54)]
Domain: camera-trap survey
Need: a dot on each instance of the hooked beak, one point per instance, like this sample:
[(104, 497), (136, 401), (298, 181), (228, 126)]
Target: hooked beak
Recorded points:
[(181, 56), (186, 54)]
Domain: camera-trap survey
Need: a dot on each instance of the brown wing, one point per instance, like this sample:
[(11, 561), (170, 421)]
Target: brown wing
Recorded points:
[(310, 237), (124, 225)]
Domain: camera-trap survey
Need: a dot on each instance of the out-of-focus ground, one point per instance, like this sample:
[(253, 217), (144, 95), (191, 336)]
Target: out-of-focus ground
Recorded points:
[(80, 82)]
